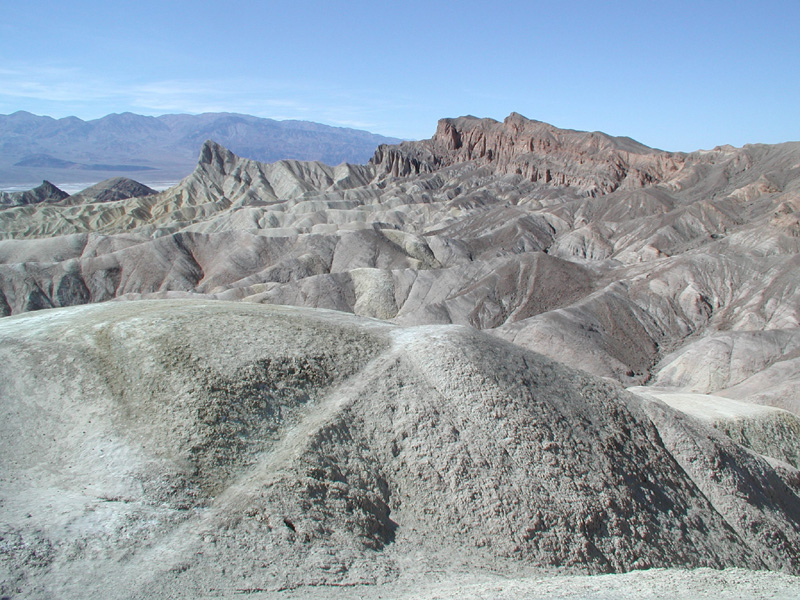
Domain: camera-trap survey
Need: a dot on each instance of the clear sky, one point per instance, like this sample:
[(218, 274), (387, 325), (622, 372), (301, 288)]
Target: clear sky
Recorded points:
[(674, 74)]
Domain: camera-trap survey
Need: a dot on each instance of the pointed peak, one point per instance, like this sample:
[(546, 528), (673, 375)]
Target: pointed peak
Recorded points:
[(516, 117), (52, 189), (23, 114), (213, 153)]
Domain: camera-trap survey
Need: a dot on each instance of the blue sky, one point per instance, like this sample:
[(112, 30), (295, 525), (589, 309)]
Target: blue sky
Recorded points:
[(675, 75)]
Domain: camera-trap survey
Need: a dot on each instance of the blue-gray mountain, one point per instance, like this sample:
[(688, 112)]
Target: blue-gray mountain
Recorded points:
[(33, 148)]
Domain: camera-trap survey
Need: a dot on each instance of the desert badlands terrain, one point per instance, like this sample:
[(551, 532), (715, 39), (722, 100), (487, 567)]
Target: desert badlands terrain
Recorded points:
[(511, 361), (160, 149)]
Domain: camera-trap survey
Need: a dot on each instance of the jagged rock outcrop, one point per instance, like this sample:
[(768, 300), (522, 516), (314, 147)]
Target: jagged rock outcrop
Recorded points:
[(294, 446), (458, 218), (46, 192), (671, 247), (594, 163)]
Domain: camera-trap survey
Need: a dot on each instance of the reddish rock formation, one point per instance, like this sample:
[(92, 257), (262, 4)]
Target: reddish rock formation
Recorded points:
[(595, 163)]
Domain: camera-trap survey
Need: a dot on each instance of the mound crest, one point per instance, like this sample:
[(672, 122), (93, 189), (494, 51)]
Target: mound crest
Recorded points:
[(216, 444)]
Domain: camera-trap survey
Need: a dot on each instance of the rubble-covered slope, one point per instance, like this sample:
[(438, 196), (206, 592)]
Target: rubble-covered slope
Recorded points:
[(176, 448)]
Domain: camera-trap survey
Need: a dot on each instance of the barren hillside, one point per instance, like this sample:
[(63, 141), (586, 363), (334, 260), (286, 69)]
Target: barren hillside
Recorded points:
[(457, 419), (182, 447), (597, 251)]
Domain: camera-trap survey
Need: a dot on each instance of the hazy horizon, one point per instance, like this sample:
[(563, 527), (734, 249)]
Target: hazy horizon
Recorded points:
[(74, 188)]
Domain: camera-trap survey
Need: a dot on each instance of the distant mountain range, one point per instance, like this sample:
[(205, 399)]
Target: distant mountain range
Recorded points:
[(165, 148)]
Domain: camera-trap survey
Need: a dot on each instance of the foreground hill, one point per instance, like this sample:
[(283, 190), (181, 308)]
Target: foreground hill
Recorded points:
[(183, 448), (157, 149)]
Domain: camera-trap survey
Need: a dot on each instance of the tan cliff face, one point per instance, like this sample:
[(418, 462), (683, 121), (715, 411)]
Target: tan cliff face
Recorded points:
[(594, 163)]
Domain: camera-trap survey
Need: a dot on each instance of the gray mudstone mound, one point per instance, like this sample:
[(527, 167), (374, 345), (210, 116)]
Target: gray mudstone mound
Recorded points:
[(772, 432), (111, 190), (190, 448)]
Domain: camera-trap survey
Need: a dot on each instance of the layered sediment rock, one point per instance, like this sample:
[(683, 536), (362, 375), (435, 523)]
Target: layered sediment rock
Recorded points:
[(594, 163), (318, 442)]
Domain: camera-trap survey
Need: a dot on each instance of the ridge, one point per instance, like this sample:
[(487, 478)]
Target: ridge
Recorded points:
[(46, 192), (594, 162)]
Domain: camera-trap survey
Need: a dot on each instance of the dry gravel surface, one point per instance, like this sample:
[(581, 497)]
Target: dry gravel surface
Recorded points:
[(188, 448), (655, 584)]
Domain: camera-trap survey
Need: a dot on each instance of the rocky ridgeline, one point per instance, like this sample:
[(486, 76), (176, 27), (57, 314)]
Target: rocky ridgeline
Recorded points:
[(46, 192), (116, 188), (110, 190), (618, 280), (224, 448), (595, 163)]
